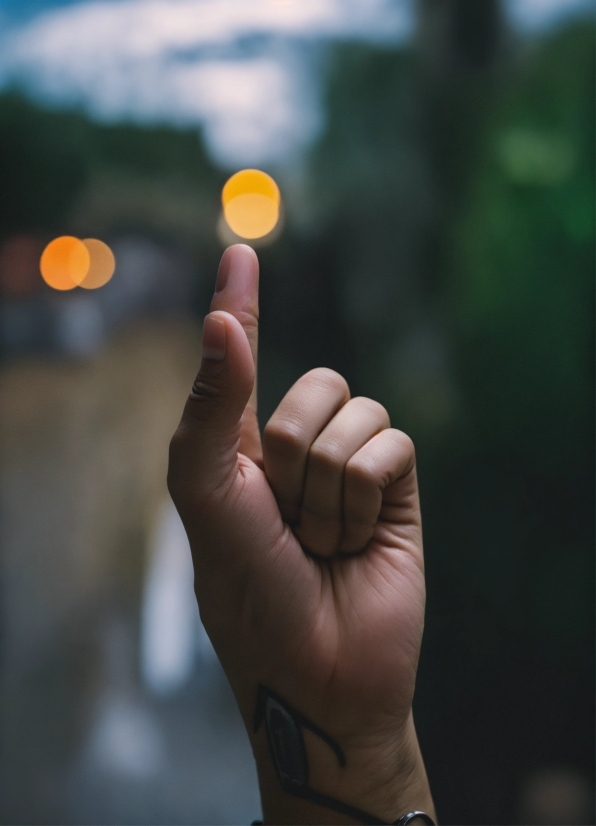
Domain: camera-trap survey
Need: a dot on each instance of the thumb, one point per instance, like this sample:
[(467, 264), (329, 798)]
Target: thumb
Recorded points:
[(204, 449)]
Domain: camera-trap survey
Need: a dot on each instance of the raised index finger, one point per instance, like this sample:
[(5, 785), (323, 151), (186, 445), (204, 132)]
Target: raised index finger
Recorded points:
[(237, 292)]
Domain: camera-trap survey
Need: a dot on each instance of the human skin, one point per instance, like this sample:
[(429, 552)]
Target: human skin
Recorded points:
[(309, 572)]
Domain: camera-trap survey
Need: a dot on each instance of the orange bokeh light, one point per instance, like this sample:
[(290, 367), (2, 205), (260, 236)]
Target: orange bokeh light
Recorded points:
[(102, 264), (64, 263), (251, 201), (68, 262)]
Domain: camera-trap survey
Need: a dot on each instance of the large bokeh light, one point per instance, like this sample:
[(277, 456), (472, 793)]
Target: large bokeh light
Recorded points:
[(250, 202)]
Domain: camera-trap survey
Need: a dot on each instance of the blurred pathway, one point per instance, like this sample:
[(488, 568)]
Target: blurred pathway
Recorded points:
[(83, 456)]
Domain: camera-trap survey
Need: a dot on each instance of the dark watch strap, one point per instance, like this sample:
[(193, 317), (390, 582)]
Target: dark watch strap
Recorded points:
[(403, 821)]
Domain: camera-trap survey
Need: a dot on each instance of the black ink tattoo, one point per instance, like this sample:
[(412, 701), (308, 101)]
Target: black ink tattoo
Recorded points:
[(284, 727)]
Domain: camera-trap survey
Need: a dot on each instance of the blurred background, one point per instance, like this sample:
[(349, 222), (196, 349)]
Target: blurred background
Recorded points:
[(436, 167)]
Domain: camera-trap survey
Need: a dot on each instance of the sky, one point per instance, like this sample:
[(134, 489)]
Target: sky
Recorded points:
[(245, 71)]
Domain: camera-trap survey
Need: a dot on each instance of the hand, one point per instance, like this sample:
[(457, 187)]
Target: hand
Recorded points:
[(307, 549)]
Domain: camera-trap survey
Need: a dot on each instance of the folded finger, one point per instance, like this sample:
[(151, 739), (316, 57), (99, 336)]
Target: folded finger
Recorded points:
[(303, 413), (369, 472), (320, 525)]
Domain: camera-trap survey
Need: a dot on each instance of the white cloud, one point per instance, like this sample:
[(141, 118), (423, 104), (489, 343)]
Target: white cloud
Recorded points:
[(239, 99), (236, 67), (533, 15)]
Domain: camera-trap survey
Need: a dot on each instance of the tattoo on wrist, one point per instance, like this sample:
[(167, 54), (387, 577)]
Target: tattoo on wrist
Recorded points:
[(284, 726)]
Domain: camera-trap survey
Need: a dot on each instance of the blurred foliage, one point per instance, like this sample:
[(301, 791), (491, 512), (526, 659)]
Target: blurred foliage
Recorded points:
[(460, 207), (519, 285), (480, 335), (61, 172), (521, 274), (43, 164)]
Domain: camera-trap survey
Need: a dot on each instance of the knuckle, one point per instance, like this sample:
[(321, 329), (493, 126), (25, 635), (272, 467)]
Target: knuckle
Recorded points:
[(205, 392), (284, 437), (405, 443), (373, 408), (249, 320), (361, 471), (329, 380), (360, 467), (326, 455)]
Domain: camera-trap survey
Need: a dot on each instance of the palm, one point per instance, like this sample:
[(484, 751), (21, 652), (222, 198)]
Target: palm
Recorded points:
[(338, 633)]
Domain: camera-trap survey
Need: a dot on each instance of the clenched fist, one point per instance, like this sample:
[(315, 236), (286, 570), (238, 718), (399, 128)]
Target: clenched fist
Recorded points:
[(309, 572)]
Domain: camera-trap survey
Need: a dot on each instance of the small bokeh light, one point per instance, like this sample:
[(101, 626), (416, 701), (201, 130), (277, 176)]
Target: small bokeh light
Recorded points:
[(64, 263), (251, 202), (67, 262)]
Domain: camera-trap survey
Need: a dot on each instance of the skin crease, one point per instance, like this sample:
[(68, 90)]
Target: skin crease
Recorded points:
[(269, 520)]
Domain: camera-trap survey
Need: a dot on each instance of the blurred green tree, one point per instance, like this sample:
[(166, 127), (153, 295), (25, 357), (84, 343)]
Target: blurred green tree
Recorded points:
[(43, 165), (62, 172), (454, 209)]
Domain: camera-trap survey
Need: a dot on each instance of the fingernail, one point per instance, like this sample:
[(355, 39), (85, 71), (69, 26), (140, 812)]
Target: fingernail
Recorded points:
[(214, 339)]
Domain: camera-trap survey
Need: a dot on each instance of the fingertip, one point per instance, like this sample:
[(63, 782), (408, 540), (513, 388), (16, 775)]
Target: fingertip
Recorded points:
[(238, 269), (242, 255), (246, 250)]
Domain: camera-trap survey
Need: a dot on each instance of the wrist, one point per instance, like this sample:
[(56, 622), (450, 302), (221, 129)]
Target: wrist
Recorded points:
[(384, 779)]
